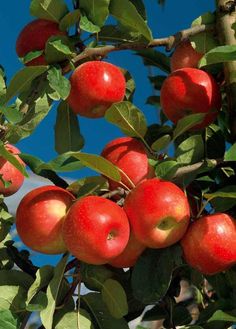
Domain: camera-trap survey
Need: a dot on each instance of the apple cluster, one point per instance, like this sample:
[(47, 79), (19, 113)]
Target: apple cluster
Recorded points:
[(155, 213)]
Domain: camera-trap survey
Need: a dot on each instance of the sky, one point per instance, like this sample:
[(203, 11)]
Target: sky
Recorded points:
[(163, 21)]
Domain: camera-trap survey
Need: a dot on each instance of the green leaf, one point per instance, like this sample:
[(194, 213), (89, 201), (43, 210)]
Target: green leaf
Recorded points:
[(222, 316), (96, 12), (31, 55), (69, 320), (8, 320), (166, 169), (69, 20), (114, 297), (52, 293), (2, 83), (52, 10), (128, 16), (15, 278), (128, 118), (161, 143), (130, 85), (22, 80), (223, 199), (155, 58), (155, 313), (94, 276), (140, 8), (219, 54), (186, 123), (152, 274), (86, 25), (38, 303), (94, 304), (191, 150), (67, 130), (203, 42), (99, 164), (59, 48), (88, 185), (230, 154), (215, 142), (115, 33), (12, 159), (206, 18), (58, 82)]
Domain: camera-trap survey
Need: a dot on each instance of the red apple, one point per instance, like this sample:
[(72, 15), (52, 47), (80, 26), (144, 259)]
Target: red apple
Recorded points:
[(34, 37), (158, 212), (130, 155), (184, 56), (188, 91), (10, 173), (130, 254), (96, 230), (95, 86), (209, 243), (39, 218)]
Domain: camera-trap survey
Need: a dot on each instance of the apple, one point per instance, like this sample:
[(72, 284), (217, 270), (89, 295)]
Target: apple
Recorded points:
[(130, 155), (184, 56), (95, 86), (188, 91), (130, 255), (10, 173), (209, 243), (34, 37), (158, 212), (39, 218), (96, 230)]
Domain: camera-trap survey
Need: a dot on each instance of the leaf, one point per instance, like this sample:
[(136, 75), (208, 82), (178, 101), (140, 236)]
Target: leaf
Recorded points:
[(94, 276), (15, 278), (222, 316), (114, 297), (99, 164), (2, 83), (186, 123), (128, 16), (206, 18), (215, 142), (38, 303), (166, 169), (69, 20), (152, 274), (223, 199), (63, 163), (230, 154), (115, 33), (155, 58), (52, 292), (161, 143), (88, 185), (12, 159), (128, 118), (52, 10), (94, 304), (22, 80), (58, 49), (97, 12), (69, 320), (86, 25), (67, 130), (8, 320), (58, 82), (140, 8), (155, 313), (191, 150), (219, 54), (31, 55)]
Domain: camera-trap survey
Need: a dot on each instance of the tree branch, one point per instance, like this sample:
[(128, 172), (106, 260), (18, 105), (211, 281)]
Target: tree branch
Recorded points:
[(169, 42)]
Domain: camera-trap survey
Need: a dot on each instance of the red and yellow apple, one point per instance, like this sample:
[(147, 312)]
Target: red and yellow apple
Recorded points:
[(130, 155), (34, 37), (96, 230), (184, 56), (39, 218), (95, 86), (189, 91), (209, 243), (158, 212), (10, 173)]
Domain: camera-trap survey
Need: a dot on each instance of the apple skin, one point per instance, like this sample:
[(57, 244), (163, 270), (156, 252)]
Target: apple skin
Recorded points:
[(209, 243), (188, 91), (130, 255), (158, 212), (184, 56), (34, 37), (95, 86), (129, 154), (96, 230), (39, 218), (10, 173)]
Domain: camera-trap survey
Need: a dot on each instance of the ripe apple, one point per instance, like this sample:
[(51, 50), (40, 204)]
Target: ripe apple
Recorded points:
[(130, 155), (130, 254), (188, 91), (11, 174), (96, 230), (34, 37), (39, 218), (158, 212), (209, 243), (95, 86), (184, 56)]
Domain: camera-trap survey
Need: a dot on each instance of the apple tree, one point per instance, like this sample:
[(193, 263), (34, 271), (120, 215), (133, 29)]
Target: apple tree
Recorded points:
[(160, 208)]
